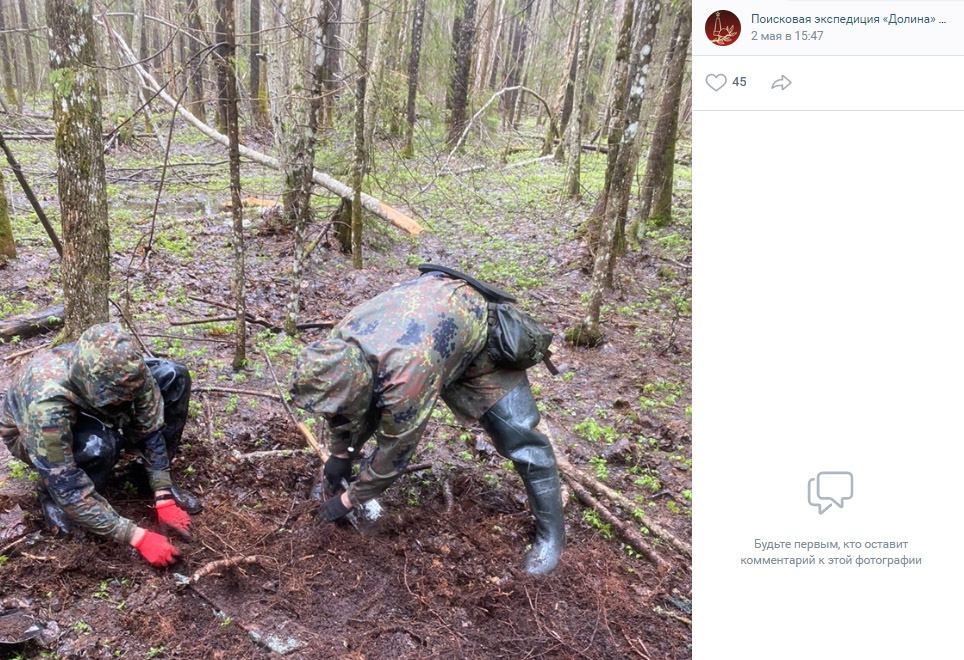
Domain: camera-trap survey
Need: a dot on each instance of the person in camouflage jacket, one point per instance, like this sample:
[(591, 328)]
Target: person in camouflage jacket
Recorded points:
[(381, 372), (71, 411)]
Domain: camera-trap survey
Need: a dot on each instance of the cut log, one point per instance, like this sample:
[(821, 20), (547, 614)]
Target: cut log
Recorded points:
[(369, 203), (34, 323)]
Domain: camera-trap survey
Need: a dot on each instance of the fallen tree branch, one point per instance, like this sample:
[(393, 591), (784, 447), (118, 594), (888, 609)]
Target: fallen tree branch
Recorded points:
[(632, 508), (633, 537), (369, 203), (219, 565), (28, 191), (579, 481), (270, 453), (26, 351), (231, 390), (32, 323)]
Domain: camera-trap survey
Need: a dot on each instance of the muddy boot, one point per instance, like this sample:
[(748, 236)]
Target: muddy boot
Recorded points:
[(186, 500), (54, 516), (512, 424)]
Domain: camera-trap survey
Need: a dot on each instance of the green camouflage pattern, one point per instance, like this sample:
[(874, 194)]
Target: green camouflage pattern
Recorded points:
[(103, 375), (413, 343)]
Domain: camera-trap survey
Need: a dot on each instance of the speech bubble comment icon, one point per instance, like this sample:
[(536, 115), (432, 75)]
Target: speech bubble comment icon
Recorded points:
[(830, 488)]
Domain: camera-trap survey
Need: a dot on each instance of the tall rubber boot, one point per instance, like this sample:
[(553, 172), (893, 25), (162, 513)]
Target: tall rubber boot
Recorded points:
[(512, 424), (174, 381)]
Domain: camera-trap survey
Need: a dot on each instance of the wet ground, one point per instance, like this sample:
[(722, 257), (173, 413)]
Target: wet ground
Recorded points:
[(440, 576)]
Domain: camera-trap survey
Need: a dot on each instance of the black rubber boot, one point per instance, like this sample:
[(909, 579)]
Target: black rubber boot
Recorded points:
[(54, 516), (512, 424)]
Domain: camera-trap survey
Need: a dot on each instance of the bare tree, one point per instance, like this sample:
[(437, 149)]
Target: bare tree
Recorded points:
[(588, 333), (230, 112), (11, 87), (294, 119), (221, 39), (196, 74), (358, 168), (418, 17), (80, 171), (574, 141), (259, 110), (28, 46), (460, 79)]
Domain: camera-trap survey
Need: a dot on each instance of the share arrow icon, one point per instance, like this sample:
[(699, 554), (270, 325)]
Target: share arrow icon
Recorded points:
[(782, 83)]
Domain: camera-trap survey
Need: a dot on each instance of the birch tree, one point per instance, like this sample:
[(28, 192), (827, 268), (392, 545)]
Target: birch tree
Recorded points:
[(8, 249), (574, 141), (358, 168), (80, 165), (588, 332)]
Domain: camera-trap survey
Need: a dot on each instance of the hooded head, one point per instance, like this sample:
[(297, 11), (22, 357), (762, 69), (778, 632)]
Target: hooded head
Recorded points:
[(332, 378), (106, 368)]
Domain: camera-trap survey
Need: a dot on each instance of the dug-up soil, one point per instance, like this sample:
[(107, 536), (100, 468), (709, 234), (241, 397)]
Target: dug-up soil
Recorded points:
[(440, 575)]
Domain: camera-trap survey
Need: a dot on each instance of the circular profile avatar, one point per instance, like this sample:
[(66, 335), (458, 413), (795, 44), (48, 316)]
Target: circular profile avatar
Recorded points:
[(723, 28)]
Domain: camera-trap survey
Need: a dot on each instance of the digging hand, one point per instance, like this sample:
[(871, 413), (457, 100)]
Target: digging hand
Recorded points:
[(337, 472), (173, 518), (156, 549)]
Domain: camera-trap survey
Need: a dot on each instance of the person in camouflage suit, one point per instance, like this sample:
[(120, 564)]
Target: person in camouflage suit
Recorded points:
[(72, 410), (381, 372)]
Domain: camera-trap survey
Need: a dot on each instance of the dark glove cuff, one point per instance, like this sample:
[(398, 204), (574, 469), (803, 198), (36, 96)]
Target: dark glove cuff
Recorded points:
[(333, 509)]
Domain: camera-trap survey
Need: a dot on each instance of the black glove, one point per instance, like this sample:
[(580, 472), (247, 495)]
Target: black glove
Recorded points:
[(336, 470), (333, 509)]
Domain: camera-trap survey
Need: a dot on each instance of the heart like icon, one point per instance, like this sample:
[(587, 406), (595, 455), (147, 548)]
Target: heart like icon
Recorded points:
[(716, 81)]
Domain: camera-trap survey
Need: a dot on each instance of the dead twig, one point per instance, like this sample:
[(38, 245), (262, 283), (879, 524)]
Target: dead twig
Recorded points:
[(26, 351), (221, 564), (232, 390)]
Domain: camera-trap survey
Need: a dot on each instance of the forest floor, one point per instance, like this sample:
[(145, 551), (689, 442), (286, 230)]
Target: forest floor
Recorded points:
[(427, 582)]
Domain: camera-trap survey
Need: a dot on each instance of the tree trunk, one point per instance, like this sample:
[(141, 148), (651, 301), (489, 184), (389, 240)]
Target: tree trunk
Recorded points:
[(8, 250), (386, 31), (656, 191), (460, 80), (588, 333), (575, 125), (294, 117), (358, 170), (418, 17), (28, 47), (195, 68), (136, 98), (565, 92), (220, 36), (259, 111), (80, 172), (230, 113), (331, 11), (616, 120), (10, 86)]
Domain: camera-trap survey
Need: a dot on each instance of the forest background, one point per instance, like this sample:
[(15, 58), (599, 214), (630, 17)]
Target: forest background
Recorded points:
[(227, 178)]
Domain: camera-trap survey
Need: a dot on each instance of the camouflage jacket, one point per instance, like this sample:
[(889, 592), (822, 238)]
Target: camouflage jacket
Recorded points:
[(102, 375), (384, 368)]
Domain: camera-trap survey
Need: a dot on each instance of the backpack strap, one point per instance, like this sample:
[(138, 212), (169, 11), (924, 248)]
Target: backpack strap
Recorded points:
[(491, 293)]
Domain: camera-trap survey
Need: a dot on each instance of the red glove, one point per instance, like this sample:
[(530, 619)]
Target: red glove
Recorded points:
[(173, 518), (156, 549)]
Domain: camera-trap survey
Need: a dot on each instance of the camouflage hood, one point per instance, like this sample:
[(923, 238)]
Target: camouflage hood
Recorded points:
[(105, 367), (333, 378)]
